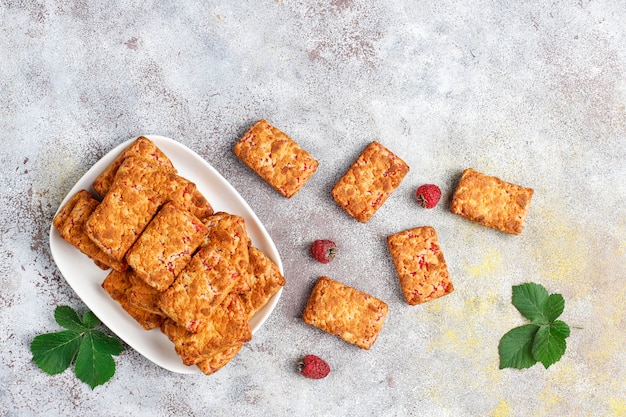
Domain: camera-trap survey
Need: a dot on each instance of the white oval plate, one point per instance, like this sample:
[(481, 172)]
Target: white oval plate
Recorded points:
[(85, 278)]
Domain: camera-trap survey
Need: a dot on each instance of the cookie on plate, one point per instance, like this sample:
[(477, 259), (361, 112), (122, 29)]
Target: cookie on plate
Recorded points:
[(142, 295), (166, 245), (65, 210), (142, 148), (491, 202), (117, 285), (218, 358), (125, 211), (369, 181), (275, 157), (343, 311), (218, 268), (170, 186), (420, 264), (187, 196), (265, 281), (226, 326), (70, 223)]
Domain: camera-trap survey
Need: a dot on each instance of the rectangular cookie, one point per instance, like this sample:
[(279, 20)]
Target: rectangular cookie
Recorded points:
[(420, 264), (343, 311), (170, 186), (218, 268), (491, 202), (142, 148), (117, 285), (166, 245), (142, 295), (369, 181), (187, 196), (218, 358), (64, 212), (265, 281), (275, 157), (226, 326), (72, 231), (122, 216)]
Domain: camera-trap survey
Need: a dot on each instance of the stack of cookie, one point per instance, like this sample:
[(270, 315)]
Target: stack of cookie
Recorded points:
[(175, 263)]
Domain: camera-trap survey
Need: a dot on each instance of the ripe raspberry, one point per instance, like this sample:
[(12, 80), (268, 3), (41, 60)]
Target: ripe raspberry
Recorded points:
[(324, 250), (313, 367), (428, 195)]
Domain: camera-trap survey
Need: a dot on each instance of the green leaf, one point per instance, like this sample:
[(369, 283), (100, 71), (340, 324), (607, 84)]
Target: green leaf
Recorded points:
[(531, 300), (106, 344), (93, 366), (555, 306), (561, 328), (515, 347), (66, 317), (549, 345), (89, 349), (90, 320), (54, 352)]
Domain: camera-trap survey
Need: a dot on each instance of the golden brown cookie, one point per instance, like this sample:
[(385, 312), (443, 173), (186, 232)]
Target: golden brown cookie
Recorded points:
[(491, 202), (369, 181), (343, 311), (169, 186), (265, 281), (226, 326), (166, 245), (142, 148), (217, 359), (276, 157), (72, 230), (142, 295), (117, 285), (122, 216), (420, 264), (218, 268), (187, 196), (64, 211)]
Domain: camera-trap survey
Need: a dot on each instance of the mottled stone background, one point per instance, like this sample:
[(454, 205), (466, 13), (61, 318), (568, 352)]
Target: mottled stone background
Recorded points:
[(533, 92)]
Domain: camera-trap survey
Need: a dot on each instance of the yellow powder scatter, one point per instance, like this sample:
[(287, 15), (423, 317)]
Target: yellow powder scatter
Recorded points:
[(501, 410), (488, 265), (434, 308), (461, 333), (563, 250), (564, 375), (549, 400), (452, 336), (612, 314), (618, 407)]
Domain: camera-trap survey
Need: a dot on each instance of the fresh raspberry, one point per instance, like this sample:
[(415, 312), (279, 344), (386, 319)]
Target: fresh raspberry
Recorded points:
[(428, 195), (313, 367), (324, 250)]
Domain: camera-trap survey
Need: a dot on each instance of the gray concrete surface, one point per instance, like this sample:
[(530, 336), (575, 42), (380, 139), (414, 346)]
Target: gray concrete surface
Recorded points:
[(533, 92)]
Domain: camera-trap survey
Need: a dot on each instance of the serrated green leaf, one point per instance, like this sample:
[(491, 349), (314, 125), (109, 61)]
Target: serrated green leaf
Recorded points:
[(90, 320), (561, 328), (555, 306), (106, 344), (92, 366), (54, 352), (531, 300), (549, 345), (66, 317), (515, 347)]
